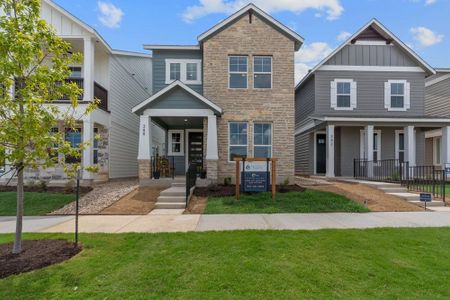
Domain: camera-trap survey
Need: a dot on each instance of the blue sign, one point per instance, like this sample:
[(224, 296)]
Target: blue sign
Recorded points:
[(425, 197), (255, 181)]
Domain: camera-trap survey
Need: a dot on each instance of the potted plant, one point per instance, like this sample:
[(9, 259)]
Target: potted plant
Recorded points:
[(156, 174), (203, 174)]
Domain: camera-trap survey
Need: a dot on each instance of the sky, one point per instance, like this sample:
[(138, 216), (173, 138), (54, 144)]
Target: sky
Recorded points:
[(128, 24)]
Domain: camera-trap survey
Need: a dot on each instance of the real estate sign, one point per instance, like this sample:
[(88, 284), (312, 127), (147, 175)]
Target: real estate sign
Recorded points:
[(255, 175)]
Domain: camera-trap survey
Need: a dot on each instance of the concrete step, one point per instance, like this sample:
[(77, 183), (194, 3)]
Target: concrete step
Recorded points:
[(171, 199), (170, 205), (393, 189), (429, 204), (406, 196), (179, 184), (174, 191)]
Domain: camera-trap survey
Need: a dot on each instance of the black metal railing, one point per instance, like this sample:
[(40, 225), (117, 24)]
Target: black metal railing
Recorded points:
[(102, 94), (388, 170), (191, 179), (426, 179), (165, 165), (79, 82)]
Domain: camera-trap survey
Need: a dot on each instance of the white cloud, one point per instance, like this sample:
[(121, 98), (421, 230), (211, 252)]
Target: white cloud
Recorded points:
[(426, 37), (344, 35), (332, 8), (110, 15), (429, 2), (308, 56)]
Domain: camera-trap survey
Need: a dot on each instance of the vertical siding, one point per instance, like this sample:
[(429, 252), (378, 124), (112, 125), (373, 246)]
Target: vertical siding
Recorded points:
[(420, 147), (62, 24), (437, 98), (159, 66), (125, 92), (371, 55), (350, 140), (304, 102), (304, 154)]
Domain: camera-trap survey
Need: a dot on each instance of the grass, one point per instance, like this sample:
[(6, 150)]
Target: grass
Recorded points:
[(349, 264), (35, 204), (309, 201)]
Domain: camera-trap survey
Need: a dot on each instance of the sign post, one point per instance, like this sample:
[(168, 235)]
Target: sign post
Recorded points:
[(425, 197), (77, 205), (255, 175)]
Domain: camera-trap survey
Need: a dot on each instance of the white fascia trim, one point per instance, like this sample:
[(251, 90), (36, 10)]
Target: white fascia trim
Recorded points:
[(183, 70), (171, 86), (130, 53), (433, 133), (171, 47), (381, 26), (437, 80), (396, 120), (369, 68), (308, 126), (155, 112), (242, 11)]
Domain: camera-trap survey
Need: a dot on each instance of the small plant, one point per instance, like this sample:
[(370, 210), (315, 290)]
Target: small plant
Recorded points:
[(395, 176), (284, 186), (202, 173), (213, 188), (69, 187), (227, 181), (43, 185), (285, 182)]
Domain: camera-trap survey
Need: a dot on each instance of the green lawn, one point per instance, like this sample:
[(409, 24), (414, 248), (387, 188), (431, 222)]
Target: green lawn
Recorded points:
[(309, 201), (349, 264), (35, 204)]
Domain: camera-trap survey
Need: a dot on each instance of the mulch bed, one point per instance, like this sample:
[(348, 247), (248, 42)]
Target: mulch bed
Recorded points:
[(36, 254), (229, 190), (51, 189)]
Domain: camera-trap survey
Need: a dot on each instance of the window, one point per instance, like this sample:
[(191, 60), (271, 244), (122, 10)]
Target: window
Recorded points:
[(186, 70), (262, 72), (95, 146), (376, 145), (262, 140), (2, 160), (437, 150), (76, 72), (343, 94), (176, 140), (237, 72), (237, 140), (400, 145), (73, 136), (397, 95), (53, 151)]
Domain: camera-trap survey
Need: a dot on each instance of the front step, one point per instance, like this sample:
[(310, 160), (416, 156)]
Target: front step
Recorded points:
[(407, 196), (389, 189), (178, 184), (174, 191), (171, 199), (429, 204), (170, 205)]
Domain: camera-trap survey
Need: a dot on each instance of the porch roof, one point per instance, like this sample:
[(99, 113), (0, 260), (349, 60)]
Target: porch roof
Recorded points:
[(165, 95)]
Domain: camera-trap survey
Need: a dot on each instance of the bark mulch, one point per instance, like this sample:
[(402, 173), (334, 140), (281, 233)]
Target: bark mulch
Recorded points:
[(229, 190), (36, 254)]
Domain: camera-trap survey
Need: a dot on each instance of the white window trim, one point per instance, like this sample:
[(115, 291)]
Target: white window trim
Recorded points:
[(81, 71), (435, 156), (271, 138), (353, 94), (183, 68), (406, 95), (169, 141), (397, 144), (229, 139), (362, 140), (264, 73), (229, 72)]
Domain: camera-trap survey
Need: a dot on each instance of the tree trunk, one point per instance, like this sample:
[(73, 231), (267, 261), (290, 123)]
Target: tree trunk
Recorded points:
[(18, 240)]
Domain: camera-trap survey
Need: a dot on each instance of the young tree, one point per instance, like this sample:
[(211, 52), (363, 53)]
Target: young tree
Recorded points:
[(34, 66)]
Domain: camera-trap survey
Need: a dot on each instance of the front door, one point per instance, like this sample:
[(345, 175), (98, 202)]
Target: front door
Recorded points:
[(321, 154), (195, 149)]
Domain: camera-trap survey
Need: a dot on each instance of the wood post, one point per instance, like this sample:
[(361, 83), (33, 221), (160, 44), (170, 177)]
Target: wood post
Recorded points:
[(238, 179), (273, 174), (274, 179)]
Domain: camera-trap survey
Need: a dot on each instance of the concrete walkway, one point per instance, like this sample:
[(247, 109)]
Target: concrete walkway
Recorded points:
[(185, 223)]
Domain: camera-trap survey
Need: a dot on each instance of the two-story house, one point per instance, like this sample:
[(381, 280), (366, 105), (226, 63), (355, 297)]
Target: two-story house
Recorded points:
[(366, 100), (120, 80), (232, 94)]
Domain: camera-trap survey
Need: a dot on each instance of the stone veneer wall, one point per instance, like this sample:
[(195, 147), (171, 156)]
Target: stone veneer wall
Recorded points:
[(275, 105)]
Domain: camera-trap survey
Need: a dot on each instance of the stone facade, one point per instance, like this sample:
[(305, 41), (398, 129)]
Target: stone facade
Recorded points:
[(250, 105), (145, 169)]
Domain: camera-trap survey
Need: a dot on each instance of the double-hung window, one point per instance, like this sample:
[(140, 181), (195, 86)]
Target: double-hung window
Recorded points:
[(397, 95), (95, 146), (343, 94), (73, 136), (237, 143), (262, 72), (262, 140), (400, 145), (191, 71), (176, 140), (237, 68), (76, 72), (175, 71), (187, 71)]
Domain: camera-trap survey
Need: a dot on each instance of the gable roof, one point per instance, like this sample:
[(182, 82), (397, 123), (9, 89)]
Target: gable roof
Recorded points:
[(253, 8), (386, 34), (141, 106)]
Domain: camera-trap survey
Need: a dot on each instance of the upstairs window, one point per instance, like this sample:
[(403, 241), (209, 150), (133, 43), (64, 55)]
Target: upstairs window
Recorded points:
[(187, 71), (76, 72), (237, 72), (262, 72), (343, 94), (397, 95)]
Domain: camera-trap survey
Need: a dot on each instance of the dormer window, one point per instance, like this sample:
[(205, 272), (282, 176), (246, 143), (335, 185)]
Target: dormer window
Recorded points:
[(187, 71)]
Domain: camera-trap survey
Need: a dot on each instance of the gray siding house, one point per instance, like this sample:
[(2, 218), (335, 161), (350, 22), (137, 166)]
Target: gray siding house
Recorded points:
[(366, 100)]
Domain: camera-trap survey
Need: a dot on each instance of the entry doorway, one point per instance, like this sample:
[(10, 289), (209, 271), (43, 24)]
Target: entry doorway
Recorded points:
[(321, 153)]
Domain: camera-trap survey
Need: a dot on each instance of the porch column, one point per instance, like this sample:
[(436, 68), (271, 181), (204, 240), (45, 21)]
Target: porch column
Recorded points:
[(145, 147), (212, 153), (368, 149), (88, 155), (410, 145), (88, 69), (445, 147), (330, 151)]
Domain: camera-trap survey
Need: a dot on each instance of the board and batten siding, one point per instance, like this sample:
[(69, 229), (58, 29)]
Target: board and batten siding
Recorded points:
[(371, 55), (62, 24), (125, 93), (370, 93), (159, 67), (180, 99), (304, 102), (437, 98)]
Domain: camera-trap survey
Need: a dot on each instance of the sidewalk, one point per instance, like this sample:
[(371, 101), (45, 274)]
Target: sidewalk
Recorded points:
[(185, 223)]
